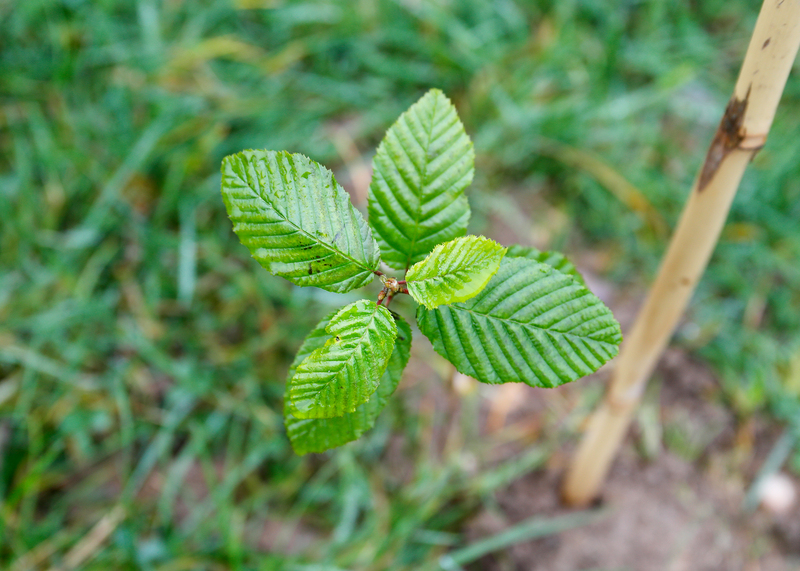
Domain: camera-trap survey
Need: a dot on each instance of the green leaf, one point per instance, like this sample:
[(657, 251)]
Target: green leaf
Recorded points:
[(342, 374), (297, 221), (454, 271), (552, 258), (423, 165), (320, 434), (530, 324)]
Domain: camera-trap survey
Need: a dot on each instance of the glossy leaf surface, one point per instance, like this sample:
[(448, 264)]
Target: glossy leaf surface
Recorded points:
[(552, 258), (297, 221), (342, 374), (530, 324), (320, 434), (423, 165), (454, 271)]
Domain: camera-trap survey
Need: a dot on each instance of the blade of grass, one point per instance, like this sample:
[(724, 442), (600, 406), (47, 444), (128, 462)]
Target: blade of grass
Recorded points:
[(524, 531), (92, 541), (777, 456)]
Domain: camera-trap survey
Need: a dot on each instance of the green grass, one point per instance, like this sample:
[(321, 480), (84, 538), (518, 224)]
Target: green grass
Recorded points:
[(141, 348)]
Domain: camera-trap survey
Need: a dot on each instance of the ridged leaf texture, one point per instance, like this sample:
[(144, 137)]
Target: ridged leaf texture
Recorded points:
[(297, 221), (454, 271), (342, 374), (530, 324), (320, 434), (420, 171), (552, 258)]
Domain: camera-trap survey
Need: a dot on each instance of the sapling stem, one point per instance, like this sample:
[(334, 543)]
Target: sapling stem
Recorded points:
[(740, 135), (391, 287)]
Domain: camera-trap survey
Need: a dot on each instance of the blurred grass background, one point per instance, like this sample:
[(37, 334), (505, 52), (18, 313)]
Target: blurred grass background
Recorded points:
[(142, 352)]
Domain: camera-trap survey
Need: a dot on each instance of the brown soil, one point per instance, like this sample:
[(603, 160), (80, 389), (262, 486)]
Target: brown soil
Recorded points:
[(679, 511), (675, 492)]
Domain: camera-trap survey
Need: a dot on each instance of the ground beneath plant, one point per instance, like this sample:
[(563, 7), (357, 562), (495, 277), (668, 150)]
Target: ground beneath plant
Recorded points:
[(673, 500), (678, 510), (675, 494)]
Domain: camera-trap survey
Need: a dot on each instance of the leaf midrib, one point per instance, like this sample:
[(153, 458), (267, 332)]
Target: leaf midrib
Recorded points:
[(315, 239), (460, 273), (423, 183), (529, 325), (349, 359)]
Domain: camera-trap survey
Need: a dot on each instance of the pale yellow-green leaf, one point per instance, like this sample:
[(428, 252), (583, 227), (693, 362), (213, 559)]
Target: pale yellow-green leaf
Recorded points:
[(454, 271)]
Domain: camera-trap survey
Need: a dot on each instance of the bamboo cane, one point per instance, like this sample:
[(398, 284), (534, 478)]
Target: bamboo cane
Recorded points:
[(741, 133)]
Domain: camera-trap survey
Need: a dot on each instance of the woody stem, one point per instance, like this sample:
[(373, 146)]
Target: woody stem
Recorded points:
[(740, 135)]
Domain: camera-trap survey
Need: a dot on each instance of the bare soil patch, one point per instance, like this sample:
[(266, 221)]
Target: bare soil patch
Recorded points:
[(679, 511)]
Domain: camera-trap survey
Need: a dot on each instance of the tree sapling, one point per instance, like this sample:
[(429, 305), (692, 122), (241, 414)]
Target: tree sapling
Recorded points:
[(497, 314)]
